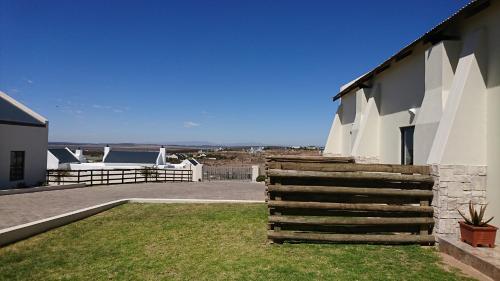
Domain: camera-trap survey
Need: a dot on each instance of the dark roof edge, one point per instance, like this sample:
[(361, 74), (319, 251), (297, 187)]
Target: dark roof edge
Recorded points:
[(466, 11)]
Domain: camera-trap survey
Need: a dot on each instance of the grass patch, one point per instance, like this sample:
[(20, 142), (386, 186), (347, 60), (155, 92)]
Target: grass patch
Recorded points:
[(201, 242)]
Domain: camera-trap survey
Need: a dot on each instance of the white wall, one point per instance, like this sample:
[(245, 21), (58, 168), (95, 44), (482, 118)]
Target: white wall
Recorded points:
[(339, 140), (32, 140), (401, 88), (492, 19), (367, 140), (440, 64), (52, 161)]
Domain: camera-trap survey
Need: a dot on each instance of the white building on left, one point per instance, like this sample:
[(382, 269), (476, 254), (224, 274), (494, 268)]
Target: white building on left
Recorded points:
[(23, 144)]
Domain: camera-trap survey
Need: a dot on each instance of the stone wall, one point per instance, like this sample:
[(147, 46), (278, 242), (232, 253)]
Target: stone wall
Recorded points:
[(455, 186), (366, 159)]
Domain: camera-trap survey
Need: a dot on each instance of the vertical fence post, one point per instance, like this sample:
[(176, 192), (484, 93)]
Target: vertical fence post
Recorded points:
[(156, 174), (91, 177), (78, 180), (107, 180), (123, 176), (165, 175)]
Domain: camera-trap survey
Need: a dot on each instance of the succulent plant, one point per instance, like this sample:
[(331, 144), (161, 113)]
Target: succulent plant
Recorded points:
[(476, 219)]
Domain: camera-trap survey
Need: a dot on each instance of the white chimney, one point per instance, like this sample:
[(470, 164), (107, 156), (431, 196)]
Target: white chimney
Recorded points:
[(163, 155), (106, 151), (79, 154)]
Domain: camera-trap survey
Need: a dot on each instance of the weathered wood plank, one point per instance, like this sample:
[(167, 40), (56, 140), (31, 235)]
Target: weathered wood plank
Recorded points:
[(350, 167), (310, 220), (350, 190), (349, 198), (350, 207), (353, 176), (309, 159), (352, 238)]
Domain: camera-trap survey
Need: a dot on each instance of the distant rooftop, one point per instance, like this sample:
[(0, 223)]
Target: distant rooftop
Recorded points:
[(64, 155), (137, 157), (15, 113)]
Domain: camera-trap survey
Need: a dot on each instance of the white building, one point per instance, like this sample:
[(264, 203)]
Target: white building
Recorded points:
[(112, 159), (62, 158), (436, 102), (133, 158), (23, 145), (188, 164)]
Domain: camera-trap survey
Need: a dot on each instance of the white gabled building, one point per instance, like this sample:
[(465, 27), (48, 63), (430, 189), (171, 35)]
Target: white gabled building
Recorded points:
[(62, 158), (436, 102), (23, 145)]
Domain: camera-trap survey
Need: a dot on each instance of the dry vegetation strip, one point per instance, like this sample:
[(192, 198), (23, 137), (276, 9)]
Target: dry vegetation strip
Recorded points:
[(201, 242)]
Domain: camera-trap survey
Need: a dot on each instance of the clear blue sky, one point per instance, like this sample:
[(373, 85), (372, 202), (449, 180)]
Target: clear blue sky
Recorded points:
[(218, 71)]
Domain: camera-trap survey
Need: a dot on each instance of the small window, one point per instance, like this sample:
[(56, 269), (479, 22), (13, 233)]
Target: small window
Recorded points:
[(16, 165), (407, 145)]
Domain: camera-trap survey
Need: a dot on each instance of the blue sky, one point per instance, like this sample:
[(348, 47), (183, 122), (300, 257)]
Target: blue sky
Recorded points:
[(217, 71)]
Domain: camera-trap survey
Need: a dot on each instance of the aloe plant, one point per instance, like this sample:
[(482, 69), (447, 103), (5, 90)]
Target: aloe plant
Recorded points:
[(476, 219)]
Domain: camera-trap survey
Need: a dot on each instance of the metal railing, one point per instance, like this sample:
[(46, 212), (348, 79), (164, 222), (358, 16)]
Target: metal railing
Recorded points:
[(117, 176)]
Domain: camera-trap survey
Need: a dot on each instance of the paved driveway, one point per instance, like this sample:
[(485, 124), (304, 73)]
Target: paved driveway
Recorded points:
[(23, 208)]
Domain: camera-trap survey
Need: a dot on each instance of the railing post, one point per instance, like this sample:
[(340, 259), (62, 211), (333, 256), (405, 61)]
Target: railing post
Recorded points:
[(135, 175), (156, 174), (165, 175), (107, 180), (78, 176), (123, 176), (91, 177)]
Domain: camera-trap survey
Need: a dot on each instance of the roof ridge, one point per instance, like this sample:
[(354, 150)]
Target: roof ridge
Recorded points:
[(407, 49), (23, 108)]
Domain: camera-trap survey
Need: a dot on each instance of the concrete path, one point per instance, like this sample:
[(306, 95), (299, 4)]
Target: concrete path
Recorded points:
[(23, 208)]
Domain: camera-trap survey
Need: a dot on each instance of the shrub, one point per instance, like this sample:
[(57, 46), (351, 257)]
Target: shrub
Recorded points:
[(148, 172), (261, 178)]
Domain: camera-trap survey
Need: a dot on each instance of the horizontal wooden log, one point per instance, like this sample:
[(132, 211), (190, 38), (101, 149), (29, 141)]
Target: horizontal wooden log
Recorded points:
[(349, 207), (350, 167), (350, 190), (308, 159), (352, 229), (350, 238), (350, 176), (345, 198), (310, 220)]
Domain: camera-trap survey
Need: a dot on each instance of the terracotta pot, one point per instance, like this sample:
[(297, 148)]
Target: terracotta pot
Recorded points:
[(478, 235)]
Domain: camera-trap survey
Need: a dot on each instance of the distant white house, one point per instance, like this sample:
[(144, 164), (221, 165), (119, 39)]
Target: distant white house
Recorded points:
[(62, 158), (65, 159), (188, 164), (113, 159), (256, 149), (23, 145), (172, 156)]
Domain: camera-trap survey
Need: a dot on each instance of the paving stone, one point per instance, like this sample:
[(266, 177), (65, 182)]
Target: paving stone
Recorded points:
[(23, 208)]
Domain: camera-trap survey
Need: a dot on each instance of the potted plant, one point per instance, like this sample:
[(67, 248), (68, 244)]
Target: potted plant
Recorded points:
[(475, 231)]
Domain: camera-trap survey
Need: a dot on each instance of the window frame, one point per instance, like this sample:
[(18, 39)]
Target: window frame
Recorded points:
[(17, 165), (403, 131)]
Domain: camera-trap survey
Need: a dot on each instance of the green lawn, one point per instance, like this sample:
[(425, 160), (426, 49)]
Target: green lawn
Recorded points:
[(201, 242)]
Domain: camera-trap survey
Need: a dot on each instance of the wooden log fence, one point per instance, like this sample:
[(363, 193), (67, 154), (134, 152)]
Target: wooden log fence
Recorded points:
[(335, 200), (117, 176)]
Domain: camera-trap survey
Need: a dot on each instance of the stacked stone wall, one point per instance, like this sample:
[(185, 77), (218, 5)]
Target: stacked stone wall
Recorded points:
[(455, 186)]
